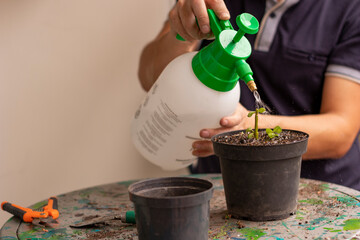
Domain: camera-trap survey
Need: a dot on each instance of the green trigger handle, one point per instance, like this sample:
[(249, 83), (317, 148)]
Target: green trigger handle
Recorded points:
[(216, 25)]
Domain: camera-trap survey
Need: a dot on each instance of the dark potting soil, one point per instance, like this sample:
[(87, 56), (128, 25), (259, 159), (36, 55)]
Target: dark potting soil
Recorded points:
[(242, 138)]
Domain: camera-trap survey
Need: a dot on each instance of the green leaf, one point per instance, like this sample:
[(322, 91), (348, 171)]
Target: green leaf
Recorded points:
[(251, 113), (268, 130), (271, 135), (251, 135), (262, 110), (248, 130), (277, 129)]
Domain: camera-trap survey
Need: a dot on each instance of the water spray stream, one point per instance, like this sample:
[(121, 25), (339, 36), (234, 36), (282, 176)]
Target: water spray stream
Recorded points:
[(259, 103)]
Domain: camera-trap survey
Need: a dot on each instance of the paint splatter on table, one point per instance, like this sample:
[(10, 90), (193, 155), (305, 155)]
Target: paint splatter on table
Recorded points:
[(324, 211)]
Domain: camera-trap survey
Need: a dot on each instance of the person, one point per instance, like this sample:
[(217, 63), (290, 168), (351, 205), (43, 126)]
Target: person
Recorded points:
[(306, 63)]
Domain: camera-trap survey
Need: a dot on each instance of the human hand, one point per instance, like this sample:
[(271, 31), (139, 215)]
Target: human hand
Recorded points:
[(238, 120), (185, 12)]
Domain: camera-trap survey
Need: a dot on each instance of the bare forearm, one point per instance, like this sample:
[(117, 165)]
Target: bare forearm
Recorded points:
[(157, 54), (330, 135)]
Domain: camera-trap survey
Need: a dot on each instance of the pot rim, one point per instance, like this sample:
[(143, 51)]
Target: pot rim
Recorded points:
[(170, 201), (229, 133)]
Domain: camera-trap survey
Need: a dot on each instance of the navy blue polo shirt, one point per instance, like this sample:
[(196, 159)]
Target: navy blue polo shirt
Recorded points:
[(298, 44)]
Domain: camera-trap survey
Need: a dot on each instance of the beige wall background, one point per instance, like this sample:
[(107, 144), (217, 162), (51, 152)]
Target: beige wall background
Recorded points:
[(68, 91)]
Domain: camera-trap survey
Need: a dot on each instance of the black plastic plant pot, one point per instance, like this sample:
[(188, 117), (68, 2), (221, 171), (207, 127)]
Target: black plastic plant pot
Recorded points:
[(261, 182), (176, 208)]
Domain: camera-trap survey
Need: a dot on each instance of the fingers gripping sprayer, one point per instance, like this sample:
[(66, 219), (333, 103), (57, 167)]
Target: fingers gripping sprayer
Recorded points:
[(194, 92)]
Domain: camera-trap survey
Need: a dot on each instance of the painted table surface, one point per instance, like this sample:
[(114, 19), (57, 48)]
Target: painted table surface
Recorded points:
[(324, 211)]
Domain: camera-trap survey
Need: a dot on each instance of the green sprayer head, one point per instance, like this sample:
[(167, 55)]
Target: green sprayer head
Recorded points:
[(220, 64)]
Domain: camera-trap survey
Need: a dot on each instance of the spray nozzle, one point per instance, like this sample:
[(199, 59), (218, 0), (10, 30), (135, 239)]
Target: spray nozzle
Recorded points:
[(245, 73)]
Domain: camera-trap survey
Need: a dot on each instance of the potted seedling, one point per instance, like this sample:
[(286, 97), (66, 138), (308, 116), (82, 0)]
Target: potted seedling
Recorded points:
[(260, 170)]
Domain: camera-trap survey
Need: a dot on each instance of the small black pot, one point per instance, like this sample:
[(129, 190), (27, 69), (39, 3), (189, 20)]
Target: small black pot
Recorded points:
[(176, 208), (261, 182)]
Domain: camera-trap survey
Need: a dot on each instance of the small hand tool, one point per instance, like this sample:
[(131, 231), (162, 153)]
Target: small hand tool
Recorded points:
[(25, 214), (52, 208), (125, 217), (42, 218), (52, 211)]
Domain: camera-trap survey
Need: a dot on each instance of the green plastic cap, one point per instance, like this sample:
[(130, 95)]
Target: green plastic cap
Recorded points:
[(130, 217), (217, 65)]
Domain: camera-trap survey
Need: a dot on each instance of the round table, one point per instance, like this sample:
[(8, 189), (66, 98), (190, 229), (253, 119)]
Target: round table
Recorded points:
[(324, 211)]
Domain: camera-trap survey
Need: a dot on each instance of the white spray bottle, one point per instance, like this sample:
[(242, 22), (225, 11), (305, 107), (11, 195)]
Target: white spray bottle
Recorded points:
[(194, 92)]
